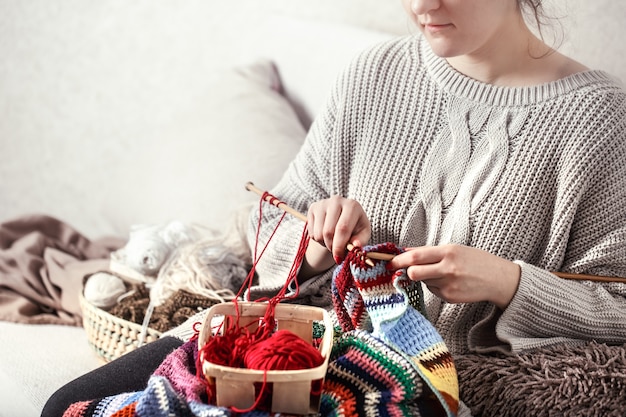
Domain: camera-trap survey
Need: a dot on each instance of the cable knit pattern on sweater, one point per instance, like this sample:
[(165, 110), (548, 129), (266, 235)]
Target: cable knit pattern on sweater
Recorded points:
[(535, 174)]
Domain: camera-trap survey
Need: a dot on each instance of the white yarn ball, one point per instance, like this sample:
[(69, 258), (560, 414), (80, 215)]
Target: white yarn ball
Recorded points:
[(145, 253), (103, 289), (177, 233)]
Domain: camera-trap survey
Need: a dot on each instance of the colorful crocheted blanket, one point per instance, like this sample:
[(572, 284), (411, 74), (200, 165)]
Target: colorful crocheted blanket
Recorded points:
[(387, 358), (388, 350)]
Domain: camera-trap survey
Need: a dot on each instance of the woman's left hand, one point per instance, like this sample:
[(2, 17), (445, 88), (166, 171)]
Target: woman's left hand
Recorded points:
[(461, 274)]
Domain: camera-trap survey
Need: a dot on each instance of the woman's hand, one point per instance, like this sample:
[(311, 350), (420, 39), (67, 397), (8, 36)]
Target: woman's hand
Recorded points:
[(337, 221), (460, 274)]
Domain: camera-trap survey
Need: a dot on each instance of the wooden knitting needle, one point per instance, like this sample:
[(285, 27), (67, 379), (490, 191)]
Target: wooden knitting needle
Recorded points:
[(276, 202), (566, 275), (389, 256), (586, 277)]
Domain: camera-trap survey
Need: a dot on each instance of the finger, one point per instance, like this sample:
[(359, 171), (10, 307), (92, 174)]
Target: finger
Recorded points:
[(310, 223), (344, 230), (333, 213), (360, 239), (430, 273), (316, 219), (423, 255), (363, 233)]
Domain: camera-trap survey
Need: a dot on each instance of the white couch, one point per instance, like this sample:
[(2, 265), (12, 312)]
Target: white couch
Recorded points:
[(116, 113)]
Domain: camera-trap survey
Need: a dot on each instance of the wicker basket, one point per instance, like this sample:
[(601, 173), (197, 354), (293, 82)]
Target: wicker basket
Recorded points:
[(111, 336), (291, 390)]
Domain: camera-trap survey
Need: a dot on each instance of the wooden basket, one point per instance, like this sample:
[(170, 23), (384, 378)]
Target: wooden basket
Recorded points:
[(111, 336), (291, 390)]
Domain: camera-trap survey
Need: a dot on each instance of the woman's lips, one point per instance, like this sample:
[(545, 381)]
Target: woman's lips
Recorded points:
[(436, 28)]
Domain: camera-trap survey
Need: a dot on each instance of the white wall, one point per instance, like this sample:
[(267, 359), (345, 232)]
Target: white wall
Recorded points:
[(594, 30), (85, 85), (595, 33)]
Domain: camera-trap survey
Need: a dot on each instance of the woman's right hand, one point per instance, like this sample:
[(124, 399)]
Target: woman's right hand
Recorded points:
[(336, 221)]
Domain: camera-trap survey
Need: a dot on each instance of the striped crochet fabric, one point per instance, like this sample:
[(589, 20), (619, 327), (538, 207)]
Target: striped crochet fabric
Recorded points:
[(173, 390), (390, 360), (387, 359)]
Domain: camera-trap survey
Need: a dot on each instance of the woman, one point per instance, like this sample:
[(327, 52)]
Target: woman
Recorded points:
[(496, 158), (491, 157)]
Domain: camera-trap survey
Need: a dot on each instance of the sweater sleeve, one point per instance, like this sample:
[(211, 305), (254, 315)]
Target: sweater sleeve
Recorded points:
[(547, 309)]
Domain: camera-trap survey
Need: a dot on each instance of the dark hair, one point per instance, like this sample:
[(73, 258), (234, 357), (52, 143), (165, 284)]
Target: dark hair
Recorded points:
[(534, 11), (533, 8)]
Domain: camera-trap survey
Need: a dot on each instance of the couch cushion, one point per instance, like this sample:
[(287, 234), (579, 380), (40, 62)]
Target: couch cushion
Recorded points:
[(36, 361), (240, 128)]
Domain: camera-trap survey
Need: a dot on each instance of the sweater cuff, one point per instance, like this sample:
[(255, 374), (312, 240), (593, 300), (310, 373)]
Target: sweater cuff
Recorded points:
[(539, 310), (530, 320)]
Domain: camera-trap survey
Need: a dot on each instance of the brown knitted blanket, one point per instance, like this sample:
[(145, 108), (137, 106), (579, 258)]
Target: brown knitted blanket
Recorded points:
[(564, 381), (173, 312)]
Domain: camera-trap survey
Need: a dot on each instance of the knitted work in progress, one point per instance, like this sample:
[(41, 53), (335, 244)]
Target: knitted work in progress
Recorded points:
[(401, 367), (174, 388)]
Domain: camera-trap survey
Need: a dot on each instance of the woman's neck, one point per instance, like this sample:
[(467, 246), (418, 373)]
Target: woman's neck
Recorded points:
[(516, 59)]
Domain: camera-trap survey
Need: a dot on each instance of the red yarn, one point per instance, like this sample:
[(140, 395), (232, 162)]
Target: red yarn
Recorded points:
[(227, 350), (264, 348), (283, 351)]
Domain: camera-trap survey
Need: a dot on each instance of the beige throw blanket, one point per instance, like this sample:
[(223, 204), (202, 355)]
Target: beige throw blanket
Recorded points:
[(42, 265)]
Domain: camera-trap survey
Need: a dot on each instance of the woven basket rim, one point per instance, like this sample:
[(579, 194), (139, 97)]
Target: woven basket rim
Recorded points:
[(111, 317), (111, 348)]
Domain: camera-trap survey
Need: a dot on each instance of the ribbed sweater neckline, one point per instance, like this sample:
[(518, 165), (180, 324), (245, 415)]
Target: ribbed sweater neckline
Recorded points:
[(460, 85)]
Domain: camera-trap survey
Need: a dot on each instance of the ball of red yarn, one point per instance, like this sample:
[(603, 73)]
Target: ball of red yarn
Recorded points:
[(283, 351), (227, 349)]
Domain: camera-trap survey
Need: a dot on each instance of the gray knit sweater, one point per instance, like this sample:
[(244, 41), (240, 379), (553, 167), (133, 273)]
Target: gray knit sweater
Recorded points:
[(535, 174)]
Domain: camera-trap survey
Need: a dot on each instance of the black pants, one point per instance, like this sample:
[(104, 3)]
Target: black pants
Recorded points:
[(128, 373)]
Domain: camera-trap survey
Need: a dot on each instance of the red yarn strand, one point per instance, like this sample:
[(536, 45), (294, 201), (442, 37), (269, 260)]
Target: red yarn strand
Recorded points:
[(263, 348)]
